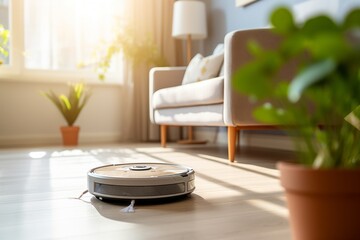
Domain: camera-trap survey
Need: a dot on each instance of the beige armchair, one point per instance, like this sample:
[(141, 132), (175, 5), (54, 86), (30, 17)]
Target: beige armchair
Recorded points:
[(211, 102)]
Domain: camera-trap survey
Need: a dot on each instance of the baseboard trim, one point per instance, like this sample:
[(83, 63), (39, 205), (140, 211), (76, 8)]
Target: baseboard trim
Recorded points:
[(273, 141), (247, 138)]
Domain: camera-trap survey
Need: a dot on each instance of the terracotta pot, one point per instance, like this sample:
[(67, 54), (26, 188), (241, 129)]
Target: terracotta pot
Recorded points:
[(323, 204), (70, 135)]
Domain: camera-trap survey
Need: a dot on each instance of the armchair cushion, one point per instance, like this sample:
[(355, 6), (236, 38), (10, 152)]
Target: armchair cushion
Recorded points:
[(199, 93), (202, 68)]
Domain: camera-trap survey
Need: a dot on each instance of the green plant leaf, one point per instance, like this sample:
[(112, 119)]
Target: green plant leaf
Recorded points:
[(65, 101), (323, 158), (292, 45), (267, 113), (309, 76), (136, 48), (4, 38), (282, 21), (54, 99), (253, 77), (244, 81), (354, 118), (319, 25), (328, 45), (254, 48), (352, 19), (325, 56), (281, 90), (70, 106)]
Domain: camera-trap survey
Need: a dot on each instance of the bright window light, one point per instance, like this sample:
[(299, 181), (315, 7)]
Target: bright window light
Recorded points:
[(61, 34)]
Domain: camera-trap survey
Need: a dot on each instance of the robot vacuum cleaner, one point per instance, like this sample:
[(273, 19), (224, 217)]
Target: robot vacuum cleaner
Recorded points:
[(140, 181)]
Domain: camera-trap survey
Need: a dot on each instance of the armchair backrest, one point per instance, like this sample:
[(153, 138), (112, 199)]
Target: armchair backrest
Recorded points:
[(237, 107)]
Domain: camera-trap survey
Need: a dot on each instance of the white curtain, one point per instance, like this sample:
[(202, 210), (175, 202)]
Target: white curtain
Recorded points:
[(152, 17)]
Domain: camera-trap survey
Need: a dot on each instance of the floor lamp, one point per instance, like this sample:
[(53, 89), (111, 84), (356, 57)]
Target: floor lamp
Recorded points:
[(189, 22)]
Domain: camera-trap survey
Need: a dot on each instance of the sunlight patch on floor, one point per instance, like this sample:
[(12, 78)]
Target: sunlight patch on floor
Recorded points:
[(155, 150), (272, 172), (217, 193), (37, 154), (264, 187), (69, 153), (269, 207), (218, 159), (178, 157)]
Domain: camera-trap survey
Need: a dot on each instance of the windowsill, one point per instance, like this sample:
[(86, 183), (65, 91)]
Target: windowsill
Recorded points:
[(46, 76)]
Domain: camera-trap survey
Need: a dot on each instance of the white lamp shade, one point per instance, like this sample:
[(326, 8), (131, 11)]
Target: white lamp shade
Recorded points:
[(189, 19)]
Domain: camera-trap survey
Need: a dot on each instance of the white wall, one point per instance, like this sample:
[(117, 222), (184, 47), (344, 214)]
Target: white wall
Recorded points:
[(27, 118), (224, 17)]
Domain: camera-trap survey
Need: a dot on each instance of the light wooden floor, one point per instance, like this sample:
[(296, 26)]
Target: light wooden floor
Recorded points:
[(242, 200)]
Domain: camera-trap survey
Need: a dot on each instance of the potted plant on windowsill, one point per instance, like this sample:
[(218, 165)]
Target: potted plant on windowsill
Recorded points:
[(70, 107), (320, 108)]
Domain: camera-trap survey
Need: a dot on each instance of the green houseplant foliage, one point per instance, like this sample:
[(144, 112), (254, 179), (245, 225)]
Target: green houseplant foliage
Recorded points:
[(320, 105), (71, 105), (4, 38), (135, 48)]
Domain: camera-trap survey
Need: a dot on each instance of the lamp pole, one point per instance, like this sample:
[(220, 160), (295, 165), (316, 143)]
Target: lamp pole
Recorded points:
[(189, 22)]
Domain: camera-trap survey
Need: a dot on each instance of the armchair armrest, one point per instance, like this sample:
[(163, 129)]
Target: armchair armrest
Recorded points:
[(163, 77), (238, 108)]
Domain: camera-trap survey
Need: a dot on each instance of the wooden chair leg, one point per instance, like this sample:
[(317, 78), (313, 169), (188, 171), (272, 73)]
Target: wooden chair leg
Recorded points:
[(231, 143), (163, 129)]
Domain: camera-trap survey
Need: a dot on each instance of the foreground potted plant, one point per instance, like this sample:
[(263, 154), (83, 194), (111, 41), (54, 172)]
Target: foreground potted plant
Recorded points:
[(70, 107), (319, 108)]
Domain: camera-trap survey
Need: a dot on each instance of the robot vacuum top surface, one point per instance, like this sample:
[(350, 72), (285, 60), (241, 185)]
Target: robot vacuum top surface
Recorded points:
[(140, 170)]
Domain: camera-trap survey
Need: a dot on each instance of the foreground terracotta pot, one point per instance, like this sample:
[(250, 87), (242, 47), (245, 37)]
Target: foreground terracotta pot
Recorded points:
[(323, 204), (70, 135)]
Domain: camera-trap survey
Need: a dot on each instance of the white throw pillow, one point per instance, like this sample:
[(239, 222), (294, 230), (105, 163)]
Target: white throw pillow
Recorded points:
[(222, 70), (218, 49), (202, 68), (191, 69)]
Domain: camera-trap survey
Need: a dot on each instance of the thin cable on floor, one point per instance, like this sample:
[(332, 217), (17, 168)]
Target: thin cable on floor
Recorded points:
[(86, 191), (128, 209), (82, 194)]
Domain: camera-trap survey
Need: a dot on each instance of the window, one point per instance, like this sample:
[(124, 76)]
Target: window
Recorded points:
[(58, 35)]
